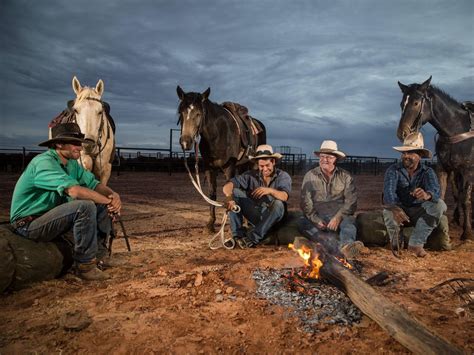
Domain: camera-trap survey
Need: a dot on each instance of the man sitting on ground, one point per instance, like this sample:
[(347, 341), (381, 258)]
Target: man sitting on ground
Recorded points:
[(55, 194), (261, 195), (329, 201), (411, 196)]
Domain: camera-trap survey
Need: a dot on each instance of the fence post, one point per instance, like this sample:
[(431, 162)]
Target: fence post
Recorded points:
[(23, 159)]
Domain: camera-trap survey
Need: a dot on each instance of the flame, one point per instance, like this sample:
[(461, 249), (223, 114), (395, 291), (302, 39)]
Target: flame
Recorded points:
[(344, 262), (311, 261)]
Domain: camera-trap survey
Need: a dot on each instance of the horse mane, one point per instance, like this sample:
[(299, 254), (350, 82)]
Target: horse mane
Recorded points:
[(86, 93), (444, 95)]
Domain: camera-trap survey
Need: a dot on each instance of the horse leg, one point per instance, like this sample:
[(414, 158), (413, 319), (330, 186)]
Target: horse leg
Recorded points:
[(467, 210), (86, 161), (211, 177), (456, 186), (443, 181), (105, 173)]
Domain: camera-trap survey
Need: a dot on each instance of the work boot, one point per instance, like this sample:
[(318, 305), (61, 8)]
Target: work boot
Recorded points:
[(417, 250), (352, 250), (90, 272)]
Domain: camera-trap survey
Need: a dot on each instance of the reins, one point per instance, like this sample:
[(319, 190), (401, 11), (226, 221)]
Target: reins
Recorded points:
[(227, 243)]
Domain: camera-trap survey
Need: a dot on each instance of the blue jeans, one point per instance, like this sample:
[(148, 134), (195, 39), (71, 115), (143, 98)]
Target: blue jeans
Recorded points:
[(262, 214), (347, 229), (424, 217), (86, 220)]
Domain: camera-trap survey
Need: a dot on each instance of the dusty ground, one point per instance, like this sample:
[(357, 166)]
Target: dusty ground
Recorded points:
[(175, 295)]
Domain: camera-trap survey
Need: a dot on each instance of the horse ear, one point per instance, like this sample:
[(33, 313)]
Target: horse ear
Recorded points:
[(426, 84), (180, 92), (76, 85), (100, 87), (404, 88), (205, 94)]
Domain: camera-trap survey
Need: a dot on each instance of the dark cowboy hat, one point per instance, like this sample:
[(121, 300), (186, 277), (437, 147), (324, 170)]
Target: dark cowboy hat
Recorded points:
[(65, 133)]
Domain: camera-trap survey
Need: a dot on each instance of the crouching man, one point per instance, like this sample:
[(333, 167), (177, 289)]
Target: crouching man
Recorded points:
[(261, 195), (329, 201), (55, 194), (411, 196)]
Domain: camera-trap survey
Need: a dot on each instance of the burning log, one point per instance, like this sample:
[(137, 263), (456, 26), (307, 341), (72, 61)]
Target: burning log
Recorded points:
[(392, 318)]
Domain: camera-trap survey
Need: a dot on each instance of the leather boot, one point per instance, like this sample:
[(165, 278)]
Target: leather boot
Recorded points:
[(90, 272), (417, 250)]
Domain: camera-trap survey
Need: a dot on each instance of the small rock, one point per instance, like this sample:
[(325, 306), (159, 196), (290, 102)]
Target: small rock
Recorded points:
[(218, 291), (229, 290), (461, 312), (76, 320), (219, 298), (198, 280)]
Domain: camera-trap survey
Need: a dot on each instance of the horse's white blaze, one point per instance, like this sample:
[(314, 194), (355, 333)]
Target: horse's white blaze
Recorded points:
[(405, 103)]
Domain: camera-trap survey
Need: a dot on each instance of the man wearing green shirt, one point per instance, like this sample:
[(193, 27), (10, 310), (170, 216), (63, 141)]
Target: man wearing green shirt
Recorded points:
[(55, 194)]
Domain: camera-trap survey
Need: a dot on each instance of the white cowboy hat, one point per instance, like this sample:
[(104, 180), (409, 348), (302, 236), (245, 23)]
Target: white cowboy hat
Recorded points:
[(265, 151), (330, 147), (414, 142)]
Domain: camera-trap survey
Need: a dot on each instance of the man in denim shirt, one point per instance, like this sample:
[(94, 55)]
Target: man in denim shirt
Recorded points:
[(261, 195), (411, 195), (328, 202)]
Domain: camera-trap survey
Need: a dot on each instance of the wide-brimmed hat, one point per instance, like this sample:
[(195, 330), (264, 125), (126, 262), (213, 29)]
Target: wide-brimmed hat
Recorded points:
[(65, 133), (330, 147), (265, 151), (414, 142)]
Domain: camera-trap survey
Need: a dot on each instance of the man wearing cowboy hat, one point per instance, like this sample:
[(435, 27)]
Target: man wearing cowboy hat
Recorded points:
[(55, 195), (329, 200), (412, 195), (261, 195)]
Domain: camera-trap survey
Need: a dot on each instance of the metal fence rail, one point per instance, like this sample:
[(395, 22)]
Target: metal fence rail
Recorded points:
[(166, 160)]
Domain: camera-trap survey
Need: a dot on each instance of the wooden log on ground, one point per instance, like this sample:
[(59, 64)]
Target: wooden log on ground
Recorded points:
[(408, 331)]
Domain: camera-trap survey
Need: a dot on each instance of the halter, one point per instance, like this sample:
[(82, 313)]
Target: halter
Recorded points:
[(198, 131), (418, 123)]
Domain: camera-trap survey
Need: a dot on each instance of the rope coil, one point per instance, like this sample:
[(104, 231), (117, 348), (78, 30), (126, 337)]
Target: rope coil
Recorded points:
[(227, 243)]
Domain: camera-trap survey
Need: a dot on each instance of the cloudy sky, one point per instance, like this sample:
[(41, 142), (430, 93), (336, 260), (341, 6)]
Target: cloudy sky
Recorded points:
[(310, 70)]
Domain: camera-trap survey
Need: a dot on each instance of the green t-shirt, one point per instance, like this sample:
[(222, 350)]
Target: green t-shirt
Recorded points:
[(41, 186)]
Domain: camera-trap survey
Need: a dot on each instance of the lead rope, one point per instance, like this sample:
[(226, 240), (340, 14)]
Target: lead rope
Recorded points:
[(228, 243)]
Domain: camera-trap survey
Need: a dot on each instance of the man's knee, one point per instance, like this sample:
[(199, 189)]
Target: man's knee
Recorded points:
[(278, 207), (239, 193), (348, 223), (435, 209)]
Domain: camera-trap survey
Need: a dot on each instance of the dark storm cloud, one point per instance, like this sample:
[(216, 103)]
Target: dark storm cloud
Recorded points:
[(310, 70)]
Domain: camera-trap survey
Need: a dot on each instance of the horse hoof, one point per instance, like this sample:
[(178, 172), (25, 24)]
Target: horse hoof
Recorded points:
[(467, 236), (210, 228)]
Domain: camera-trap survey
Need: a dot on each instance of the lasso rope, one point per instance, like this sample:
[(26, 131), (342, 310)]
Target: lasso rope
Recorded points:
[(228, 243)]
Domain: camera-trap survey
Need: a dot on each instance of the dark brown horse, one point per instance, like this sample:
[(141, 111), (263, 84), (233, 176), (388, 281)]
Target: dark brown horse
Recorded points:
[(220, 143), (422, 103)]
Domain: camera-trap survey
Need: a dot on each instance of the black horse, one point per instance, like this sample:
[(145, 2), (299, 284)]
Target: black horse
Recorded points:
[(423, 103), (220, 143)]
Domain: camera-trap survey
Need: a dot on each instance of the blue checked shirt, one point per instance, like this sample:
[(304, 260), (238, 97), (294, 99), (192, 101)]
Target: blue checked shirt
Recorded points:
[(398, 185)]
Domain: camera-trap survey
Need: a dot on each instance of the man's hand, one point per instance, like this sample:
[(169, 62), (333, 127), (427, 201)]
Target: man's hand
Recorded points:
[(322, 226), (399, 215), (333, 224), (421, 194), (229, 205), (115, 204), (259, 192)]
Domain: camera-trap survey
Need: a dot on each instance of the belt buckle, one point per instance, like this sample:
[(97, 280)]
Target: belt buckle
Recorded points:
[(21, 223)]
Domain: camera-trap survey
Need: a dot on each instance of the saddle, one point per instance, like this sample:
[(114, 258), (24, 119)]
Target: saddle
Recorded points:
[(249, 127)]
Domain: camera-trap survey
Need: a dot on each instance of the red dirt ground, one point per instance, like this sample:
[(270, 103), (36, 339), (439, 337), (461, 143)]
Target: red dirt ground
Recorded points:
[(174, 294)]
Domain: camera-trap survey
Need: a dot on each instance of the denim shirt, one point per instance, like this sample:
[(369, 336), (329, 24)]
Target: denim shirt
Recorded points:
[(252, 179), (319, 197), (398, 185)]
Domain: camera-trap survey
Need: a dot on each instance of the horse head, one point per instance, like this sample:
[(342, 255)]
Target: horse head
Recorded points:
[(415, 112), (191, 111), (89, 112)]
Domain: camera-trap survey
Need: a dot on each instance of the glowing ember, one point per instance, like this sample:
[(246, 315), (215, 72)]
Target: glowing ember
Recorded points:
[(344, 262), (311, 261)]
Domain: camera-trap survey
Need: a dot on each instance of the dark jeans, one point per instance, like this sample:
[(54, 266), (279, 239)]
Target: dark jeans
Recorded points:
[(87, 221), (346, 234), (262, 214), (424, 217)]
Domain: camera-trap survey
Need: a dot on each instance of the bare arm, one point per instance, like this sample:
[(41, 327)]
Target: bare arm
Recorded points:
[(262, 191)]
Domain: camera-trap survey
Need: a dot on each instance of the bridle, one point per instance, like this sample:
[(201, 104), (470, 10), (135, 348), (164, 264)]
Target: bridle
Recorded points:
[(101, 146), (418, 123), (201, 122)]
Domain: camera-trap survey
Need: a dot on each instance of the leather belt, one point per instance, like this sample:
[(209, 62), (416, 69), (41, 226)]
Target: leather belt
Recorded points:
[(21, 222)]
